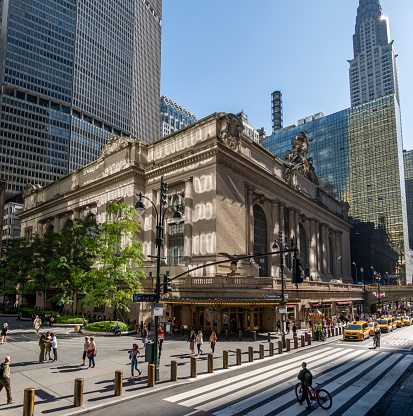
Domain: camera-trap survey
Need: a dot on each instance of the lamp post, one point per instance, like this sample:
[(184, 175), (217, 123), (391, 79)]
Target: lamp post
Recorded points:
[(378, 287), (361, 271), (372, 268), (355, 266), (159, 243), (338, 274), (388, 282)]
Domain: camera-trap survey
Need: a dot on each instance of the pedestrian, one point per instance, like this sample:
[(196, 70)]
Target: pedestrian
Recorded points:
[(33, 316), (53, 345), (161, 336), (37, 323), (305, 377), (192, 340), (42, 344), (47, 347), (5, 379), (91, 352), (213, 341), (135, 354), (144, 336), (4, 331), (294, 330), (51, 321), (85, 349), (278, 326), (199, 342), (287, 326)]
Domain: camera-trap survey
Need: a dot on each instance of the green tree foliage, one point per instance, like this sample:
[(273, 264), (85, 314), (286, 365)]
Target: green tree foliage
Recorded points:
[(115, 275)]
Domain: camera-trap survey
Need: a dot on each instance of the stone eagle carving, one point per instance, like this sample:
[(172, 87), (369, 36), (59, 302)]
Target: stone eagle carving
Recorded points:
[(114, 144)]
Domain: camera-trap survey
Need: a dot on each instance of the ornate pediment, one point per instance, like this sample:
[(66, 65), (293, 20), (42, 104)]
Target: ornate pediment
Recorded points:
[(30, 189), (114, 144), (230, 130)]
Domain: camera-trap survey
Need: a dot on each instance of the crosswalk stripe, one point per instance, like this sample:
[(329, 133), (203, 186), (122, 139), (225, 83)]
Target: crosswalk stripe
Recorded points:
[(251, 402), (257, 381), (239, 377)]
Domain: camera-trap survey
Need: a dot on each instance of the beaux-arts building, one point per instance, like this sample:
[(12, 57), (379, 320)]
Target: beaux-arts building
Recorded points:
[(236, 196)]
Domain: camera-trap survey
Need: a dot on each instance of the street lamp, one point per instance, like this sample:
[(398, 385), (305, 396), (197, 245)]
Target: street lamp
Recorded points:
[(338, 274), (388, 282), (355, 266), (361, 271), (378, 287), (372, 268), (159, 243)]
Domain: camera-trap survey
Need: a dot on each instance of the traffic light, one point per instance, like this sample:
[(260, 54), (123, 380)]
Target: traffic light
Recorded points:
[(297, 278), (167, 284)]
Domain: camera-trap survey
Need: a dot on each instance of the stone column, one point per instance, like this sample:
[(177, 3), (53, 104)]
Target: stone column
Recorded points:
[(313, 249), (249, 222), (281, 217), (319, 248), (76, 214), (328, 250), (324, 248), (291, 218), (56, 224), (297, 228), (274, 260), (189, 206), (339, 254)]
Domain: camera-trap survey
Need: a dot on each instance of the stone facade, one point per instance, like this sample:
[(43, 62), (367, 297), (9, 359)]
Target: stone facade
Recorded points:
[(224, 181)]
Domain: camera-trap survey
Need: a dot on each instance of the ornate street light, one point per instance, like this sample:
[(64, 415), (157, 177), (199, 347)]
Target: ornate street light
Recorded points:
[(159, 243), (355, 266), (372, 268)]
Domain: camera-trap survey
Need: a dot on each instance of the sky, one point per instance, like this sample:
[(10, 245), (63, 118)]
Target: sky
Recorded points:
[(230, 55)]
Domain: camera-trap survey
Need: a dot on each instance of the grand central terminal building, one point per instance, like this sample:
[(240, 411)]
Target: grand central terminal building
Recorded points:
[(236, 197)]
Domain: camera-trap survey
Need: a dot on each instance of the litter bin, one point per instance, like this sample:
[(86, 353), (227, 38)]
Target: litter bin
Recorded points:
[(317, 336), (77, 328), (168, 328), (150, 352)]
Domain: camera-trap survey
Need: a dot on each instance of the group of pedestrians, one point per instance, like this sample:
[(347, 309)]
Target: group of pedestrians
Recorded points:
[(198, 340), (48, 343), (89, 351)]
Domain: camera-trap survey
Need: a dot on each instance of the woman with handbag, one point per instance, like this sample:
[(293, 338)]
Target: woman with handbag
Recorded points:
[(91, 352)]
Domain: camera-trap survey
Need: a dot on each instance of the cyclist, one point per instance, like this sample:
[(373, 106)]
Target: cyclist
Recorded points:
[(376, 337), (305, 382)]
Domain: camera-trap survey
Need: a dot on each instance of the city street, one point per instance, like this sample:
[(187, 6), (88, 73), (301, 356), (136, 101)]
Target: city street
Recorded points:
[(358, 377)]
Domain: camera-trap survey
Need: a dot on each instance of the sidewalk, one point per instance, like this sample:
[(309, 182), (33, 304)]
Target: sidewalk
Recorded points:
[(54, 385)]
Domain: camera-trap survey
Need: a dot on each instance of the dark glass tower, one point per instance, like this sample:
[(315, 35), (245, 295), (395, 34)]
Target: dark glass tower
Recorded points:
[(72, 73)]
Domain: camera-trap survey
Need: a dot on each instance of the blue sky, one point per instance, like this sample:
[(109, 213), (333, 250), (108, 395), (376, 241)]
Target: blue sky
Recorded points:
[(229, 55)]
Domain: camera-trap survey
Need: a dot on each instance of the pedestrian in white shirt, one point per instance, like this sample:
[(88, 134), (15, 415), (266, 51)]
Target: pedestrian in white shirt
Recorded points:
[(53, 345), (199, 342)]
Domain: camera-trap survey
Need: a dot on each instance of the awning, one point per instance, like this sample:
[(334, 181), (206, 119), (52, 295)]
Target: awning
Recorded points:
[(291, 306), (344, 303)]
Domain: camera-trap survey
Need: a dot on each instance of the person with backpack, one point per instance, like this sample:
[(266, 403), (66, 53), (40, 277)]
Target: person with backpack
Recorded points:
[(5, 379), (306, 379), (144, 336)]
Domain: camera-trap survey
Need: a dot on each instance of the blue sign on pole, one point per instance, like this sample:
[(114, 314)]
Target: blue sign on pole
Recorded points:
[(141, 297), (275, 296)]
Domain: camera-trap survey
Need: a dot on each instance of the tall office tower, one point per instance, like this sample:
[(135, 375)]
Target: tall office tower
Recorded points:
[(277, 111), (249, 130), (358, 158), (373, 70), (72, 73), (173, 117), (408, 177)]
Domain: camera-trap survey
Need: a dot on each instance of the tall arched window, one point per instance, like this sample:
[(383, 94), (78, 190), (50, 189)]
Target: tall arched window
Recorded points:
[(303, 249), (260, 240)]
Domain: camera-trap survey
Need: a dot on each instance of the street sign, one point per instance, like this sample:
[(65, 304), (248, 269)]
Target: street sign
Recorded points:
[(276, 296), (142, 297), (157, 309), (283, 309)]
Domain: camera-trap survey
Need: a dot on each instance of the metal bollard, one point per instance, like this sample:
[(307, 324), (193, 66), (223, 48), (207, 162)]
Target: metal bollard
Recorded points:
[(182, 330), (193, 367), (295, 343), (239, 362), (225, 359), (151, 375), (240, 335), (226, 334), (78, 392), (309, 339), (261, 351), (288, 344), (271, 344), (210, 363), (329, 332), (250, 354), (28, 404), (302, 341), (340, 330), (280, 347), (269, 336), (254, 335), (336, 331), (174, 370), (118, 383)]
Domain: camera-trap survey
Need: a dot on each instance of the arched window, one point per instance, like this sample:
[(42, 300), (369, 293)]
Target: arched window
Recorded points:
[(260, 240), (303, 249)]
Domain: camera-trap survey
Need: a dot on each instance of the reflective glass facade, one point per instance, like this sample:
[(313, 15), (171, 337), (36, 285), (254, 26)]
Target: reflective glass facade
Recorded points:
[(73, 72), (408, 175), (357, 156), (173, 117)]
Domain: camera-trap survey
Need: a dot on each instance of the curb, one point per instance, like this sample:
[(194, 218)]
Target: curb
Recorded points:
[(194, 380)]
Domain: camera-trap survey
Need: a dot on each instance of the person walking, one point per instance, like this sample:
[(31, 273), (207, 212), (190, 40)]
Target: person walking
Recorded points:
[(37, 323), (279, 327), (85, 349), (91, 352), (287, 326), (306, 380), (135, 354), (294, 329), (144, 335), (53, 345), (47, 347), (192, 340), (213, 341), (5, 379), (4, 331), (42, 344), (199, 342), (161, 337)]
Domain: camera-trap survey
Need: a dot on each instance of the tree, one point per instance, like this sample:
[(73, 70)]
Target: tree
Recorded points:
[(115, 274)]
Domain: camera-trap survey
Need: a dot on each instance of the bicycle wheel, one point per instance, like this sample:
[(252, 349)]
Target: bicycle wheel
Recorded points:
[(298, 391), (324, 399)]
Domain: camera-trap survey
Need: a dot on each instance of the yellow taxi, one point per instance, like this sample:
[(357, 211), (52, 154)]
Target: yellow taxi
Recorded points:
[(372, 326), (399, 321), (407, 320), (393, 321), (386, 324), (356, 331)]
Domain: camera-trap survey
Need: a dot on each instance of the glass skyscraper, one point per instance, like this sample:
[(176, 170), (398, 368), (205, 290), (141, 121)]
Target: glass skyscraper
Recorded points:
[(358, 157), (72, 73), (408, 175)]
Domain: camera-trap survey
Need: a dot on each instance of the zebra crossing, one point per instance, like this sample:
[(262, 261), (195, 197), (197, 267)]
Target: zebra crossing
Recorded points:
[(356, 378)]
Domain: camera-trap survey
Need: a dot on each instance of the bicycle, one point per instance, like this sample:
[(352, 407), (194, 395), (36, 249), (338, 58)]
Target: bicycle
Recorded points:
[(322, 396), (376, 342)]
